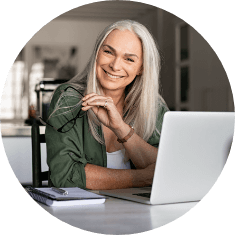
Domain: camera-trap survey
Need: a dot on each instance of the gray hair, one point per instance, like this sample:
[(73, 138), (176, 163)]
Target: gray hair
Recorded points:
[(142, 95)]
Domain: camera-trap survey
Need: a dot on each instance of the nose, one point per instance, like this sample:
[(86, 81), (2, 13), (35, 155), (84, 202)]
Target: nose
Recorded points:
[(115, 64)]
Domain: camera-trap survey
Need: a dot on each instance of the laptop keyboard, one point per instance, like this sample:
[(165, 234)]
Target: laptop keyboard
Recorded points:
[(143, 194)]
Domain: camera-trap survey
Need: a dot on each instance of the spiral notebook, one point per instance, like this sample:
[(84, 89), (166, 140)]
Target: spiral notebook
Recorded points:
[(76, 196)]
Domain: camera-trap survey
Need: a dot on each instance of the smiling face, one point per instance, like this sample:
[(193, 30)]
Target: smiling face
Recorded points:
[(119, 60)]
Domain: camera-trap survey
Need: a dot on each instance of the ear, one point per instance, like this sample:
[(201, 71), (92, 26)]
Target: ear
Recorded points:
[(140, 71)]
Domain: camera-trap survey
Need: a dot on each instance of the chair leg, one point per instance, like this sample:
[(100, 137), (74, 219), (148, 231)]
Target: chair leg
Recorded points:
[(36, 157)]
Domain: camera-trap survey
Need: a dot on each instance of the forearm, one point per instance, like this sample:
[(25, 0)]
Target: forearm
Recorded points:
[(98, 177), (139, 151)]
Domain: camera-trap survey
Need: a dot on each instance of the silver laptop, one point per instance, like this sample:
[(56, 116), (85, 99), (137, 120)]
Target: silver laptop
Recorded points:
[(193, 150)]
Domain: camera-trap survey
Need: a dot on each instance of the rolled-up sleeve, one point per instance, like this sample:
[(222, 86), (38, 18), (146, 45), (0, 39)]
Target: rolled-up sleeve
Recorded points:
[(65, 155)]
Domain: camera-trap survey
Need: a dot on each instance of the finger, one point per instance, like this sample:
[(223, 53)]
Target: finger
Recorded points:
[(101, 102), (94, 108), (97, 98), (87, 107), (88, 96)]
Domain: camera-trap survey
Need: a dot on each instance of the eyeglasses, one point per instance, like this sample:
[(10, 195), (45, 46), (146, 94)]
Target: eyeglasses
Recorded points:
[(70, 124)]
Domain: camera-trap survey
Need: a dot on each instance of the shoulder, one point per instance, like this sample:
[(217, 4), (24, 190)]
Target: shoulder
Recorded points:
[(162, 109), (66, 89)]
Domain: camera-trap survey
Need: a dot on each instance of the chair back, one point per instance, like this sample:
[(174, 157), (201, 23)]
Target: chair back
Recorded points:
[(38, 175)]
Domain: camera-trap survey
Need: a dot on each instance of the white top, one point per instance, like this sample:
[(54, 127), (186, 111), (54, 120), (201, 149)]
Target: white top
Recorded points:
[(116, 160)]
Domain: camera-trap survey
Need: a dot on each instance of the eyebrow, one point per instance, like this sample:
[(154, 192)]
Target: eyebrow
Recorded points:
[(126, 54)]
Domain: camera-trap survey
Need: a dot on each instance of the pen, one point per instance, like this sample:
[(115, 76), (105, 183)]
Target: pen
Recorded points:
[(60, 191)]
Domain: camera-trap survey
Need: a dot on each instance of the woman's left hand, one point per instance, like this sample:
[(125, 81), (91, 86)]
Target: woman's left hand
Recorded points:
[(105, 110)]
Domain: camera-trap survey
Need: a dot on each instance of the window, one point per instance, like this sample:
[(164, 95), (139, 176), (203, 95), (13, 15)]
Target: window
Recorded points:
[(41, 62), (14, 98)]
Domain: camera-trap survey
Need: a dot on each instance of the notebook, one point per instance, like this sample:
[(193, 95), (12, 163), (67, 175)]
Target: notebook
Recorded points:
[(193, 150), (75, 196)]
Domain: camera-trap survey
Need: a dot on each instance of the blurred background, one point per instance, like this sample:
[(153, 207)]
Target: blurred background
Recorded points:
[(192, 76)]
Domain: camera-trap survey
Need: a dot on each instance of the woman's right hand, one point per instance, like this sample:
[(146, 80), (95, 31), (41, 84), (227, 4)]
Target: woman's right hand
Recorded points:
[(105, 110)]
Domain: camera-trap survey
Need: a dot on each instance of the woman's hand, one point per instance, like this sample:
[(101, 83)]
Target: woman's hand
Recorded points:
[(104, 109)]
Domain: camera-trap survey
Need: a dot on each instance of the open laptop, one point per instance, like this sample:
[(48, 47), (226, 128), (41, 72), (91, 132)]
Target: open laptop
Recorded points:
[(193, 150)]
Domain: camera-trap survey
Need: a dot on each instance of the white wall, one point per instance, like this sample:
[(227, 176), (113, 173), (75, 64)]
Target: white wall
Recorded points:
[(20, 157)]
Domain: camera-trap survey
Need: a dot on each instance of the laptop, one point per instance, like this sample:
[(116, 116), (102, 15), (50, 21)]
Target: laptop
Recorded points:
[(193, 150)]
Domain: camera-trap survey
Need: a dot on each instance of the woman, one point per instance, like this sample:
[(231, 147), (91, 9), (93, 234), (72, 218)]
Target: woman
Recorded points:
[(118, 112)]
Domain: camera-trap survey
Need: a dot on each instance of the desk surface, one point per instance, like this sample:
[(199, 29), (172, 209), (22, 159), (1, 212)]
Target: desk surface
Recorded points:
[(118, 216)]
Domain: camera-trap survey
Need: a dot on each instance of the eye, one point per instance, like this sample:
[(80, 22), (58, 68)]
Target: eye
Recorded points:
[(129, 59), (107, 52)]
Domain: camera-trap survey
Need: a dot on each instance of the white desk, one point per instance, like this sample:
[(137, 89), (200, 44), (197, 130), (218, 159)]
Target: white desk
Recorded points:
[(118, 216)]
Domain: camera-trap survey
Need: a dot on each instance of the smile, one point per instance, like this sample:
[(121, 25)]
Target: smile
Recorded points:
[(112, 76)]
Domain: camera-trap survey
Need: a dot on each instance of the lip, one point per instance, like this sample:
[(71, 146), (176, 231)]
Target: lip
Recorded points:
[(119, 76)]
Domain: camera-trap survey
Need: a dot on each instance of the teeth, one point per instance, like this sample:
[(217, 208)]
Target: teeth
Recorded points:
[(113, 76)]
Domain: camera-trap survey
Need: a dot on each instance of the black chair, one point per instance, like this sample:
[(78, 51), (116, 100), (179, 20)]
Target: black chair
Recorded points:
[(38, 175)]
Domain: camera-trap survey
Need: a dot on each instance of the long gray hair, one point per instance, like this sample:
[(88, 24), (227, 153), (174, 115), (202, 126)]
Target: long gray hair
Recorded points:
[(142, 95)]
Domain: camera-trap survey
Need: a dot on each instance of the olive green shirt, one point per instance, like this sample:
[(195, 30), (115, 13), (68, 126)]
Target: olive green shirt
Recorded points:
[(68, 153)]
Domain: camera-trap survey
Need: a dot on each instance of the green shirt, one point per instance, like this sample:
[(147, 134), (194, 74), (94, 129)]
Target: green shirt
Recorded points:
[(68, 153)]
